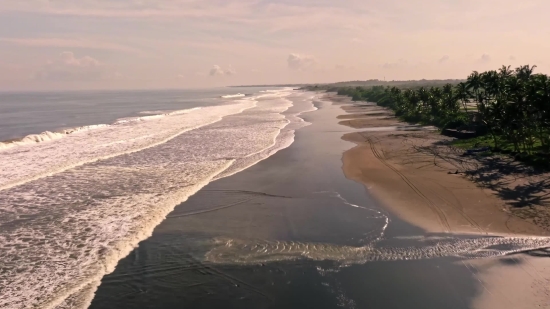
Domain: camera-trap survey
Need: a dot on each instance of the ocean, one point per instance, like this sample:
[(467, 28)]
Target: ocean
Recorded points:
[(23, 114), (100, 170)]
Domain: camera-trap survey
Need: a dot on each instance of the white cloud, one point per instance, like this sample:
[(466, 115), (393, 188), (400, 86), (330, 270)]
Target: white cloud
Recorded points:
[(216, 70), (219, 71), (69, 59), (485, 58), (444, 59), (230, 71), (68, 67), (300, 62), (357, 40)]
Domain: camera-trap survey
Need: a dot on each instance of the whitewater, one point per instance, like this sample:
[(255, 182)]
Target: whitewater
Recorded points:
[(73, 203)]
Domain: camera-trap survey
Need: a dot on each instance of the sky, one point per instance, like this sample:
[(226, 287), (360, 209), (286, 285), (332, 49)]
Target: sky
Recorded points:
[(159, 44)]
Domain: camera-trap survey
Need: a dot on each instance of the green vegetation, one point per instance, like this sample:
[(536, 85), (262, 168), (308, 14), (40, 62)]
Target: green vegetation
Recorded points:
[(509, 109), (376, 82), (539, 159)]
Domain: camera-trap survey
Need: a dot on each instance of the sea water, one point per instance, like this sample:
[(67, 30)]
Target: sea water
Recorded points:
[(73, 202)]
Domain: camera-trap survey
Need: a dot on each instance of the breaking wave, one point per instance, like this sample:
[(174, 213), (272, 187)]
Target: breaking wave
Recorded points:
[(46, 136), (50, 136), (232, 96)]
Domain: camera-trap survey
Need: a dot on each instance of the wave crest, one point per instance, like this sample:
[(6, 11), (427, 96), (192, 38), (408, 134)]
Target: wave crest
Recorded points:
[(47, 136), (231, 96), (51, 136)]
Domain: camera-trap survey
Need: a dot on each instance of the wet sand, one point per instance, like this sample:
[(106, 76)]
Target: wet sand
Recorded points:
[(280, 235)]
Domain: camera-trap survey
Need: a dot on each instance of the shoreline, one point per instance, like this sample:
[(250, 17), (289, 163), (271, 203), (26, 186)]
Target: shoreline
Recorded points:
[(149, 178), (292, 232), (415, 185), (304, 220)]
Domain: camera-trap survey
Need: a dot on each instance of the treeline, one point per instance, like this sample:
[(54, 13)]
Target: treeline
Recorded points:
[(376, 82), (512, 106), (398, 83)]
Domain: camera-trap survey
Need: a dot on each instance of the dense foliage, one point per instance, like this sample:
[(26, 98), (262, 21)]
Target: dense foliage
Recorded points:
[(512, 106)]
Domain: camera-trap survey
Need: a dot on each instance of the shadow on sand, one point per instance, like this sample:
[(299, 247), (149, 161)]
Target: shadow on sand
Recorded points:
[(518, 185)]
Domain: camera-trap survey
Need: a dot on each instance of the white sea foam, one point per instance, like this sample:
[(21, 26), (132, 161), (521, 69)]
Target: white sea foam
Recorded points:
[(282, 140), (109, 187), (231, 96), (240, 251), (255, 251), (155, 115), (30, 162), (46, 136)]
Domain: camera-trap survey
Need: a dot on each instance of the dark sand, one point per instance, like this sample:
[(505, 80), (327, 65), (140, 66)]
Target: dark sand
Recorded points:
[(299, 195)]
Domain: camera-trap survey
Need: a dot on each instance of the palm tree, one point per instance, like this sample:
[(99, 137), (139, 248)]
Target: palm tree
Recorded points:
[(463, 94), (505, 71), (434, 101), (525, 71), (513, 104), (474, 82), (423, 96), (449, 101), (537, 93)]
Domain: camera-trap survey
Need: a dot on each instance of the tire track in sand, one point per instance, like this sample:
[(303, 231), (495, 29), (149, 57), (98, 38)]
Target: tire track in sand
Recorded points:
[(458, 208), (441, 216)]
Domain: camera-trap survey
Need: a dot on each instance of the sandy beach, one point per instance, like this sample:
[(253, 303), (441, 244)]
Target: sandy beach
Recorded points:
[(428, 183), (425, 181)]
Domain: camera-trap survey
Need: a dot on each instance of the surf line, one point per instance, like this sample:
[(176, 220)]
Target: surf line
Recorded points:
[(61, 169)]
